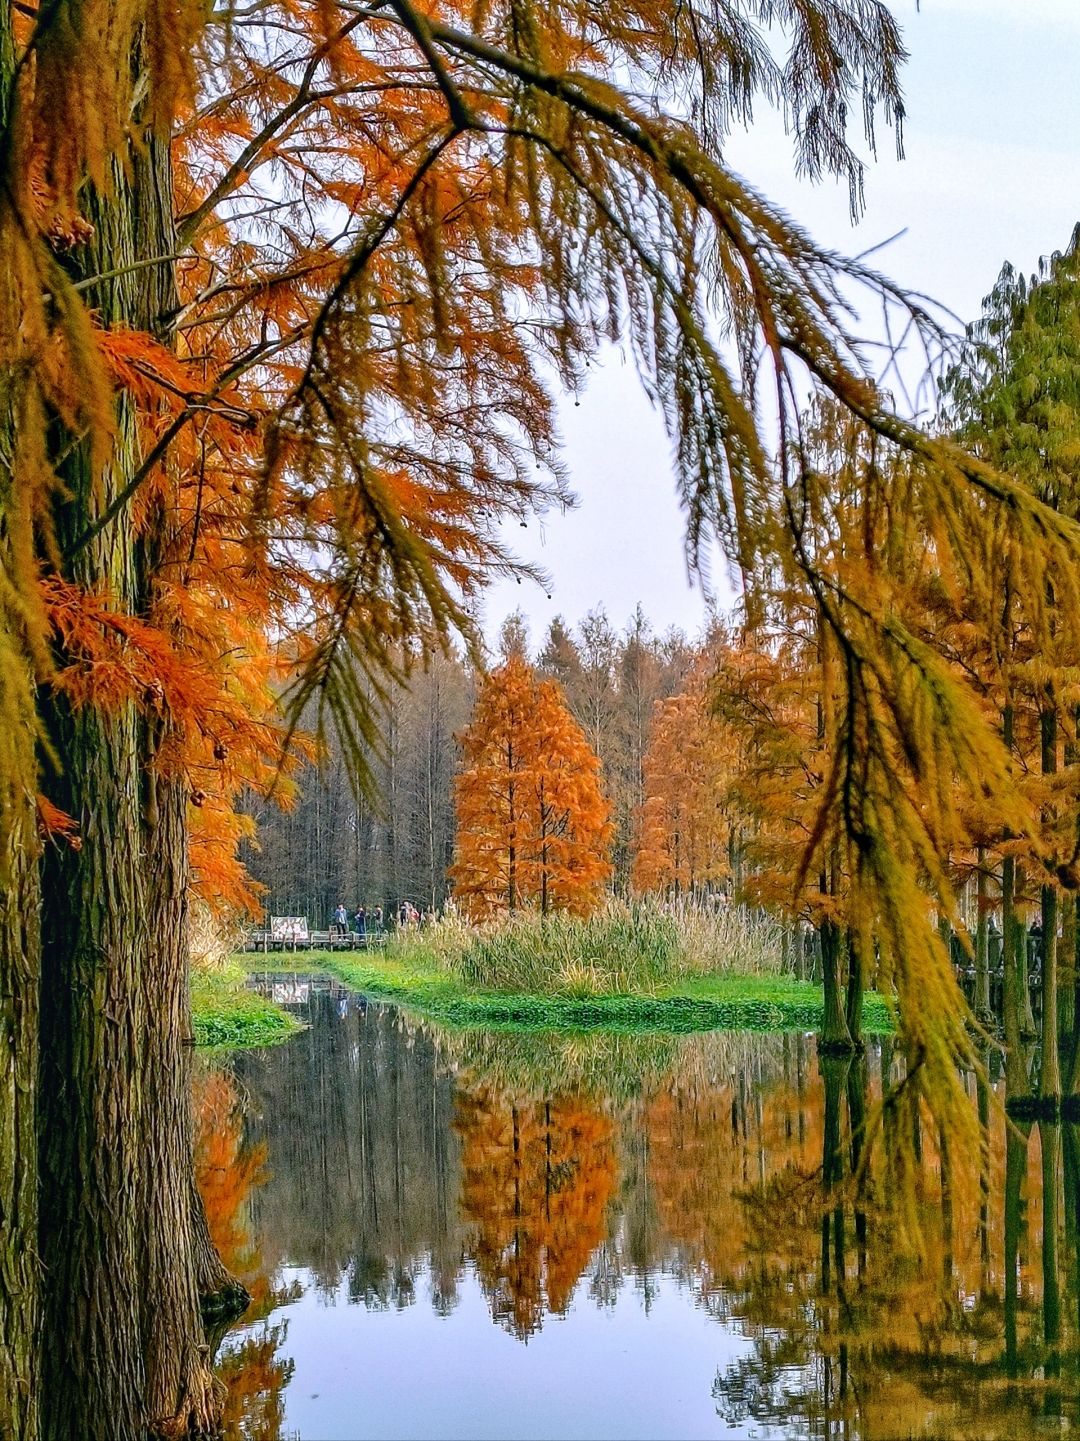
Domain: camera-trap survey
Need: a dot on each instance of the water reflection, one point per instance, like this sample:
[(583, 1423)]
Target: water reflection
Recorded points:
[(682, 1231)]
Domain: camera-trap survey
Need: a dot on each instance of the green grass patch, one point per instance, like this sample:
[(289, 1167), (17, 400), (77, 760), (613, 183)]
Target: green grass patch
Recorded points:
[(226, 1015), (699, 1003)]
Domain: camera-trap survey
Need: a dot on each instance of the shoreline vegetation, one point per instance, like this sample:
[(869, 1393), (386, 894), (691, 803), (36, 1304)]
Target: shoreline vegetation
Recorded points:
[(628, 969), (227, 1015)]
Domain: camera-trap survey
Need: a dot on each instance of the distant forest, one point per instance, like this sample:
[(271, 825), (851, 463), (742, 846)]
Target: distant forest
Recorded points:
[(399, 845)]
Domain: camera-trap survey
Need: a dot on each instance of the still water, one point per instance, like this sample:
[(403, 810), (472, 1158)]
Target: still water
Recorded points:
[(456, 1234)]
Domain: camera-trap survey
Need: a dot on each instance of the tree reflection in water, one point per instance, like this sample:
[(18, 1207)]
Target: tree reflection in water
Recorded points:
[(389, 1159), (229, 1167)]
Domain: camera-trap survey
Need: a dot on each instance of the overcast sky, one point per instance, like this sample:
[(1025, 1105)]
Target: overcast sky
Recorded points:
[(991, 172)]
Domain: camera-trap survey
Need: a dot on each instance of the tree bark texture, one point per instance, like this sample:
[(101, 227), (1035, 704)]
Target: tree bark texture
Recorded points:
[(20, 947), (19, 1270), (124, 1349)]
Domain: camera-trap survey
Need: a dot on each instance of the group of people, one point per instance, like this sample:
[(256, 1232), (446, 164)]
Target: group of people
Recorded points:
[(366, 923), (361, 922)]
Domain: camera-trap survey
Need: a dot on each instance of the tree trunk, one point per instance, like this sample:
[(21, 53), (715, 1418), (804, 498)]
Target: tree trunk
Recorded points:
[(123, 1347), (1013, 944), (982, 949), (1072, 1084), (19, 961), (856, 986), (221, 1296), (93, 954), (835, 1035), (1050, 1147), (181, 1395), (1016, 1149), (20, 940), (180, 1392), (92, 1025), (1050, 1073)]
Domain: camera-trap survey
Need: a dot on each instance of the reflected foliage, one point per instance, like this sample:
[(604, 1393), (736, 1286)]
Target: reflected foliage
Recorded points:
[(569, 1172), (229, 1167), (536, 1181)]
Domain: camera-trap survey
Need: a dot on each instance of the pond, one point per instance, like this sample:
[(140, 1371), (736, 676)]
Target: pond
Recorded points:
[(467, 1234)]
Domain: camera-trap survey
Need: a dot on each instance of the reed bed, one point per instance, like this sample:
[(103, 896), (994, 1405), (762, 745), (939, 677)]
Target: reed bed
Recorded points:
[(640, 949)]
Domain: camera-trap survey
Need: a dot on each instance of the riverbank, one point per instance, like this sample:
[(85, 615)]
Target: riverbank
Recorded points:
[(705, 1003), (226, 1015)]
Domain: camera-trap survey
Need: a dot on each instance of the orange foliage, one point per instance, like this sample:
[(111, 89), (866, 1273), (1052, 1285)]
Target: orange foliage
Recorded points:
[(537, 1177), (533, 823), (683, 825), (226, 1171)]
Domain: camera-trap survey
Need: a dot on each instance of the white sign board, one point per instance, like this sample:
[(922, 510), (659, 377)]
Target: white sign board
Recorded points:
[(292, 930)]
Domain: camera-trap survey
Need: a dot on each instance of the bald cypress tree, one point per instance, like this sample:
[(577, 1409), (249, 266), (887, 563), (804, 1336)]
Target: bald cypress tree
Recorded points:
[(506, 200)]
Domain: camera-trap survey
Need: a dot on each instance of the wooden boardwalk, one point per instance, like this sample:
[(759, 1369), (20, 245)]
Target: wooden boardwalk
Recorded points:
[(266, 941)]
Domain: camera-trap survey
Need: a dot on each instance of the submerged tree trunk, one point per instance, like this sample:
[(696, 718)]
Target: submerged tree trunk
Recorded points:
[(1050, 1147), (834, 1075), (1016, 1150)]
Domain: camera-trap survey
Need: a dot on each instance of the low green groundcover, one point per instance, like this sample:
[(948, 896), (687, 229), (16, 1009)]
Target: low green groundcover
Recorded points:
[(722, 1002), (226, 1014)]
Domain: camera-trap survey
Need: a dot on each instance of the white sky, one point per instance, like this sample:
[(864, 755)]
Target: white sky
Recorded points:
[(991, 173)]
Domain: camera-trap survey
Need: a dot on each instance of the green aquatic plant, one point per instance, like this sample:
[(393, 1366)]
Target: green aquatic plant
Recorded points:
[(227, 1015), (700, 1003)]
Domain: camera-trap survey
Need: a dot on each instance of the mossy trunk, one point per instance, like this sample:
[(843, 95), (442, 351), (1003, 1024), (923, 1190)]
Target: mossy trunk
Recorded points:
[(856, 989)]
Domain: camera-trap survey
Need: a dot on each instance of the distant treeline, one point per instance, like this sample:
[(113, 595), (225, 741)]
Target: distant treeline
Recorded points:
[(399, 845)]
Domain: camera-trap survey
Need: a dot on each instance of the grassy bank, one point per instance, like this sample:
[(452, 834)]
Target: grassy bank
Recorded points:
[(413, 978), (227, 1015), (639, 950)]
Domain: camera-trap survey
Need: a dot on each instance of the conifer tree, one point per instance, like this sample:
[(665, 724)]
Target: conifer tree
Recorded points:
[(684, 831), (245, 253), (1014, 396), (532, 821)]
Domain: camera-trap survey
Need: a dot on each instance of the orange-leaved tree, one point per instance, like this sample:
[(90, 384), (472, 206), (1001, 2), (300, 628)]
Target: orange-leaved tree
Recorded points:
[(684, 827), (533, 822), (282, 286)]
